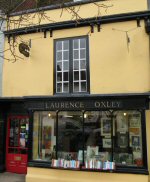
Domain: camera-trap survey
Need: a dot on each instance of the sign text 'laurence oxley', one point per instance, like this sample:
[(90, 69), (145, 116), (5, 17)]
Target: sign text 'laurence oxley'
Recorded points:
[(82, 104)]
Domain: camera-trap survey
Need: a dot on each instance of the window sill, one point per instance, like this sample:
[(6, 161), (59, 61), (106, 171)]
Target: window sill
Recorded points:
[(126, 170)]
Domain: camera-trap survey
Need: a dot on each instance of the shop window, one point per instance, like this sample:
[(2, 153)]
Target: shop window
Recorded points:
[(91, 140), (128, 138), (44, 136), (114, 136), (71, 65)]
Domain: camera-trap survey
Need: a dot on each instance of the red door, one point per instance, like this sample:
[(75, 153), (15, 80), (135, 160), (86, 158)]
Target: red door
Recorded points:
[(16, 147)]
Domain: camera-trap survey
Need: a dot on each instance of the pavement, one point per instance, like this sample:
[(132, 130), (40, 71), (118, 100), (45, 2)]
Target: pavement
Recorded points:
[(11, 177)]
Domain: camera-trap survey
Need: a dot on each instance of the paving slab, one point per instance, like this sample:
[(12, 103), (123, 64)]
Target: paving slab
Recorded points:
[(12, 177)]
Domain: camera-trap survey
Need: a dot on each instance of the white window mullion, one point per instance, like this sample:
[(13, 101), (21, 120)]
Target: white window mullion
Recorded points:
[(62, 66), (79, 69)]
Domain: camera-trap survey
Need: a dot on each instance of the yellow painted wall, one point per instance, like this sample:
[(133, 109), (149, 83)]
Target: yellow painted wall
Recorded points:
[(54, 175), (115, 66), (101, 8)]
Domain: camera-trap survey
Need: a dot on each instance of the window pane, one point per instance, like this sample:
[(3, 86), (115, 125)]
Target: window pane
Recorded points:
[(70, 136), (82, 64), (66, 87), (76, 54), (59, 66), (82, 54), (66, 65), (65, 55), (76, 65), (66, 78), (76, 75), (76, 44), (76, 86), (66, 45), (128, 143), (59, 45), (83, 75), (59, 87), (59, 76), (82, 43), (97, 131), (83, 86), (44, 136), (59, 56)]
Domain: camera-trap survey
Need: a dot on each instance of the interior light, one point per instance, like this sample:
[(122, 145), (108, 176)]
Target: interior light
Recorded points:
[(124, 113), (49, 114), (85, 115), (68, 116)]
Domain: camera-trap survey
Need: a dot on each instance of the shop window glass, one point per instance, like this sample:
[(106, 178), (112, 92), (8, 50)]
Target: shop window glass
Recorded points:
[(113, 136), (88, 140), (98, 138), (70, 135), (44, 136), (128, 138)]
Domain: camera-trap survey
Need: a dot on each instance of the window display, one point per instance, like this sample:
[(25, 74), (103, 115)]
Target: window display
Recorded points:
[(97, 140)]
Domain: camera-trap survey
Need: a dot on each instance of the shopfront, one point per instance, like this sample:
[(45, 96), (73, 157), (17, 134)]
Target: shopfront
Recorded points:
[(89, 133)]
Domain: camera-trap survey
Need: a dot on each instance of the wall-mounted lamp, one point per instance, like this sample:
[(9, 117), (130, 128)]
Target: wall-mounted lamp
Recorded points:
[(24, 49)]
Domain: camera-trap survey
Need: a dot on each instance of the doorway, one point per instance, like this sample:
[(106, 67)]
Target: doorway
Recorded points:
[(17, 144)]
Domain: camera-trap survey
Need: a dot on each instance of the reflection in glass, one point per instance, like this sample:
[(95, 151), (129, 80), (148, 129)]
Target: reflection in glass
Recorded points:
[(66, 87), (59, 45), (59, 87), (76, 86), (76, 75), (82, 43), (59, 66), (76, 65), (59, 76), (83, 75), (70, 135), (82, 54), (65, 76), (76, 54), (97, 135), (66, 45), (66, 65), (82, 64), (83, 86), (65, 55), (44, 135), (76, 44), (59, 56)]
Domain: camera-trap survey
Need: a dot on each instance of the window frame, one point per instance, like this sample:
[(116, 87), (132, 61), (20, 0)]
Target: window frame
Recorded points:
[(71, 81)]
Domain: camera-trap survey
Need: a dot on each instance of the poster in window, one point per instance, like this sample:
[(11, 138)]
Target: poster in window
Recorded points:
[(46, 140), (134, 122), (122, 124), (122, 140), (135, 141), (106, 143), (105, 126)]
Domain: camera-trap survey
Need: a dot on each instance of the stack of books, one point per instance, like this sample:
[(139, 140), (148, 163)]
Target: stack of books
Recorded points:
[(96, 164), (108, 165), (93, 164), (62, 163)]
